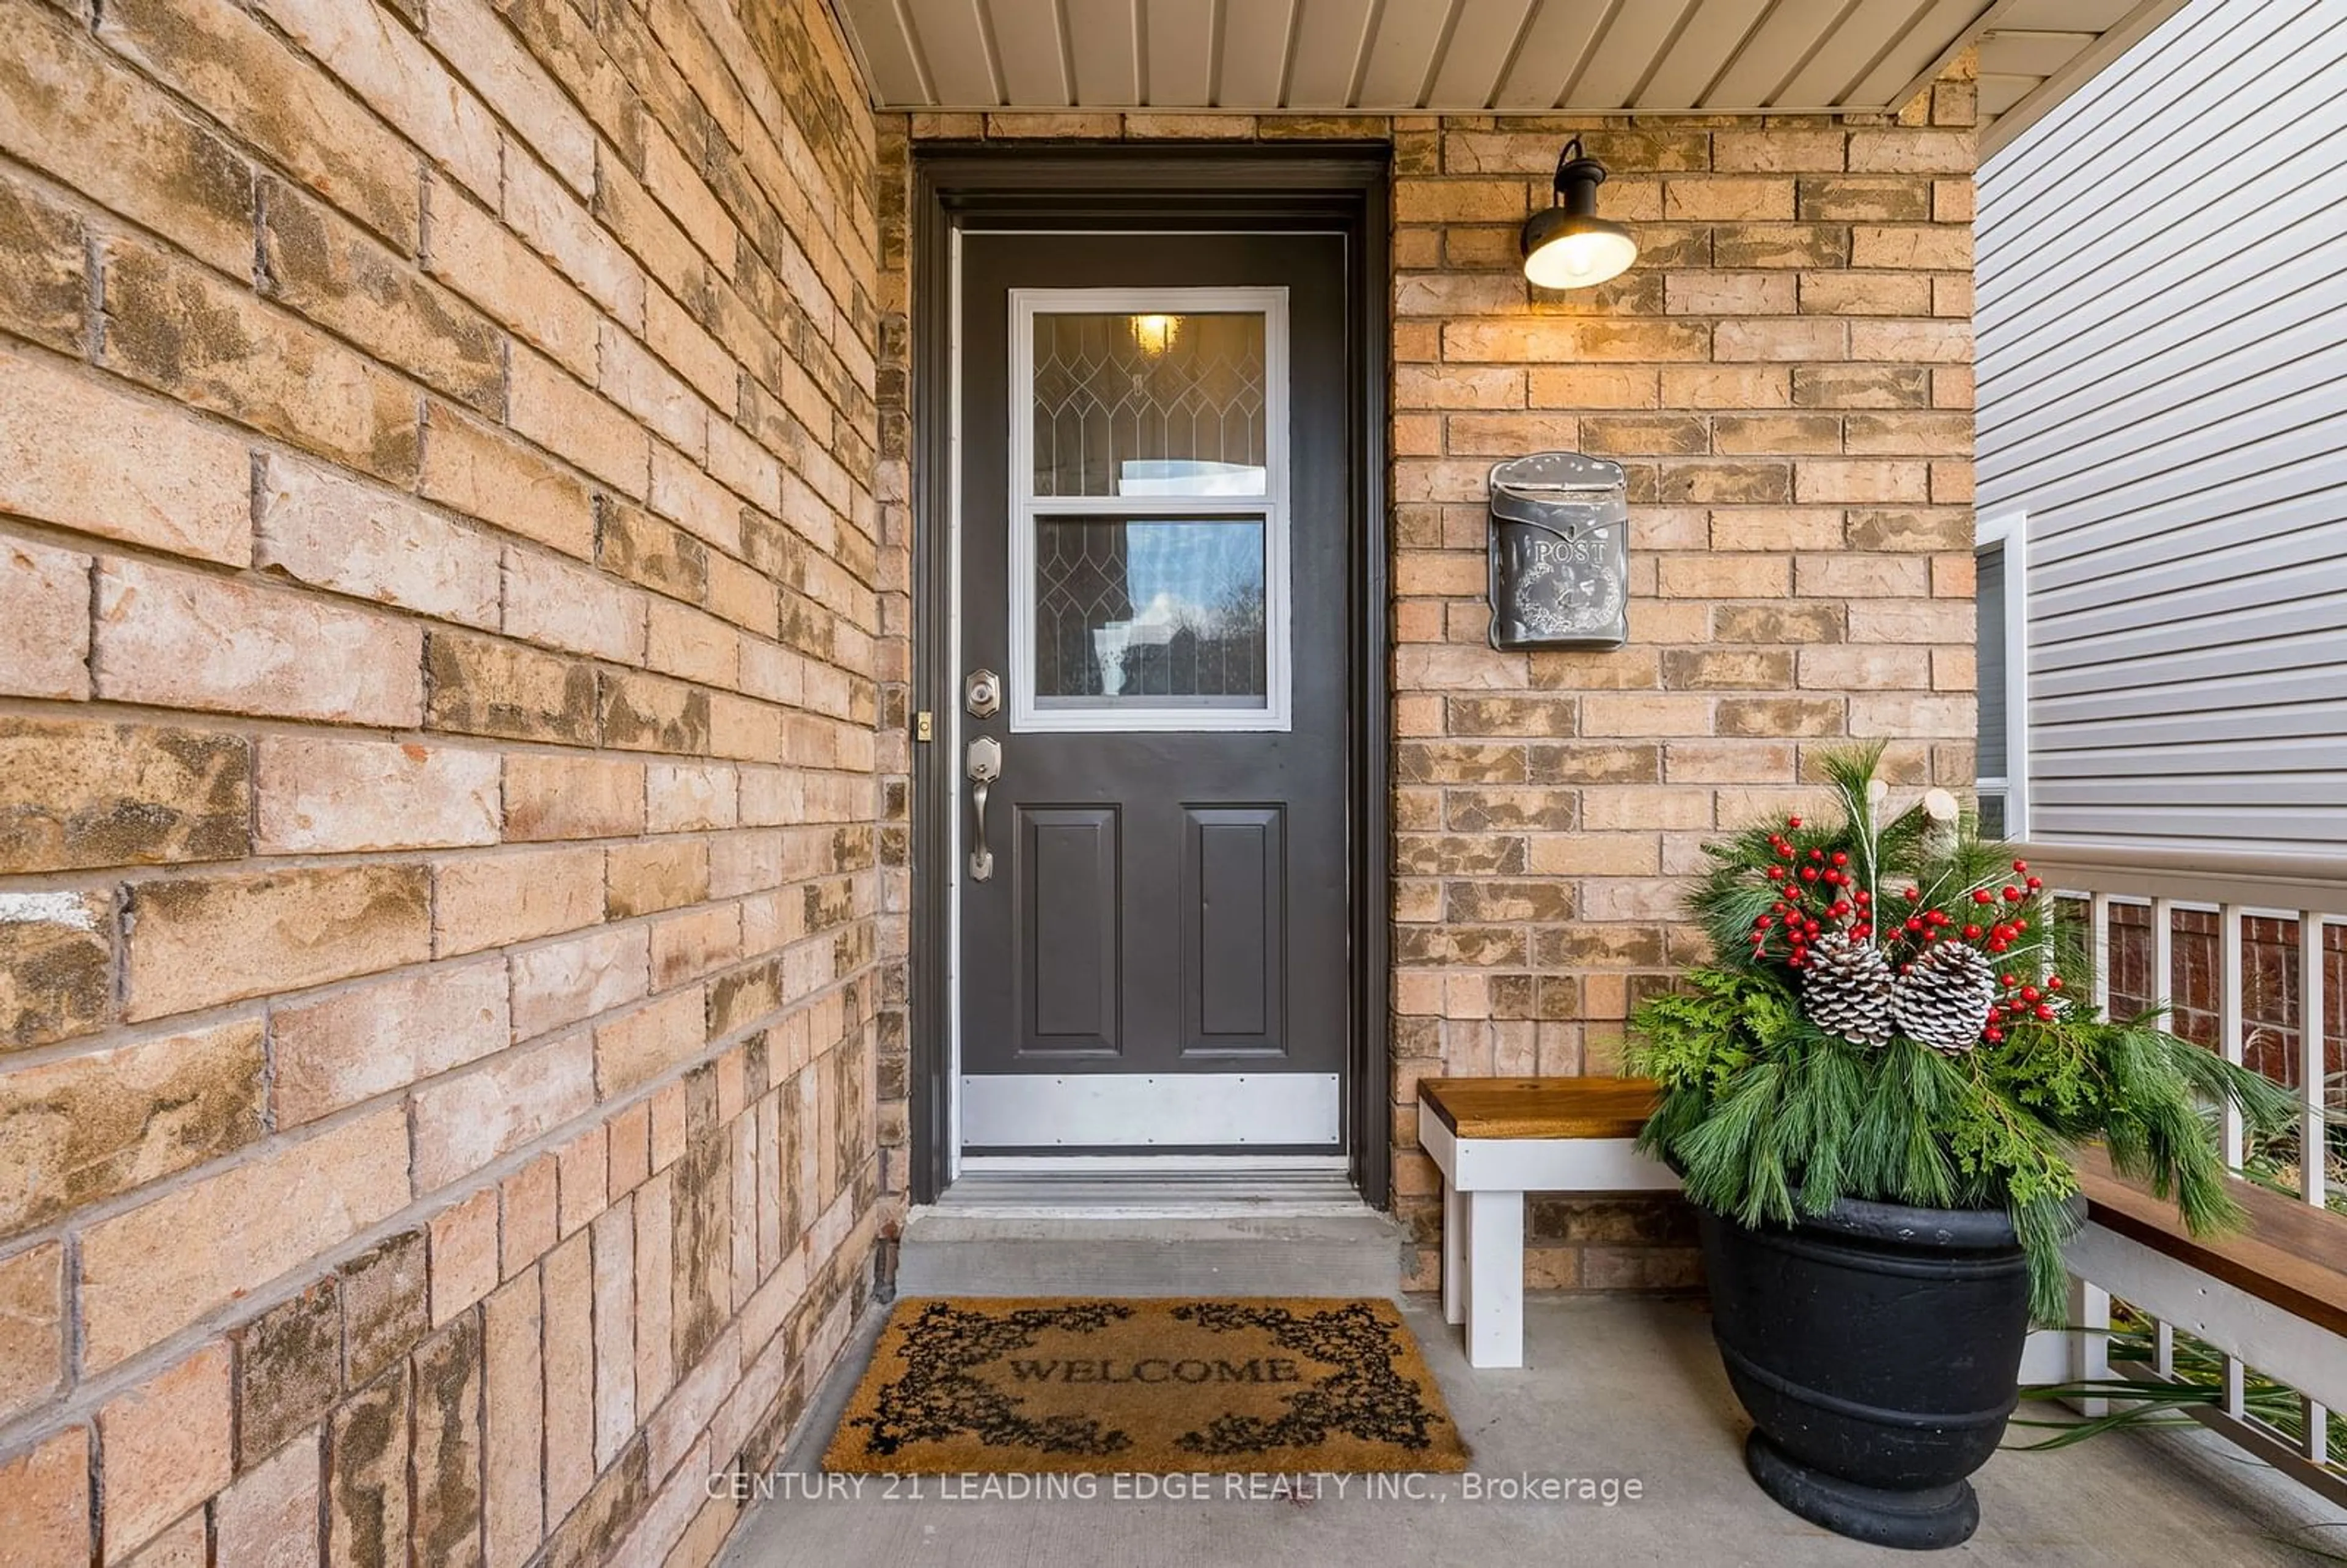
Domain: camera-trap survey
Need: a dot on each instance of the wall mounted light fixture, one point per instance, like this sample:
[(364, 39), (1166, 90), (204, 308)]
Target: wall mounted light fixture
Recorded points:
[(1569, 246)]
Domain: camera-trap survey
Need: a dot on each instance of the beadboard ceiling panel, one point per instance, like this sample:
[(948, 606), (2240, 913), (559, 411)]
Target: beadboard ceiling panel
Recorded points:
[(1627, 49), (1028, 38), (1556, 38), (1714, 30), (1180, 55), (1483, 57), (1329, 42), (1482, 44), (1250, 72), (1105, 42)]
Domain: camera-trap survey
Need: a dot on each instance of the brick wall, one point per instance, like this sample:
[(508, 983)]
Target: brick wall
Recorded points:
[(1786, 374), (440, 646), (1785, 377)]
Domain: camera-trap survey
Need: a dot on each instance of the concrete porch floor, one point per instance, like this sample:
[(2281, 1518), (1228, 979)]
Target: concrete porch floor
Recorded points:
[(1617, 1387)]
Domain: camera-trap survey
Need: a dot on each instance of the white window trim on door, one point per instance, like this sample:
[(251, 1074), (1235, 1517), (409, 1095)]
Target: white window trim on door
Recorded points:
[(2008, 534), (1026, 716)]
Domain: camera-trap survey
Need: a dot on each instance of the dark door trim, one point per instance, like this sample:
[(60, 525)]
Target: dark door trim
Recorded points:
[(1334, 187)]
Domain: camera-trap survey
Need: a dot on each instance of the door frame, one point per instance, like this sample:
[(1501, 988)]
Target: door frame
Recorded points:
[(1334, 187)]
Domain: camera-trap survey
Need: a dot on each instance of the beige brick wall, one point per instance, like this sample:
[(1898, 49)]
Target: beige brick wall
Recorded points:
[(1785, 376), (440, 769)]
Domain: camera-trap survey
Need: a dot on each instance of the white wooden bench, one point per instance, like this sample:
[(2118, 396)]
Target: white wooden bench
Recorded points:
[(1496, 1139)]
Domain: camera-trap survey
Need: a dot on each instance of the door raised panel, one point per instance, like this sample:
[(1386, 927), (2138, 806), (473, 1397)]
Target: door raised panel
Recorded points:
[(1068, 866), (1235, 929)]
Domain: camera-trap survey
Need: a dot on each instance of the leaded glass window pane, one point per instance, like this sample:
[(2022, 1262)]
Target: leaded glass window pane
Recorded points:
[(1150, 405), (1165, 612)]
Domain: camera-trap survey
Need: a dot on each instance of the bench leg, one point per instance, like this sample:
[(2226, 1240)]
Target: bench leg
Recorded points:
[(1495, 1279), (1454, 1254)]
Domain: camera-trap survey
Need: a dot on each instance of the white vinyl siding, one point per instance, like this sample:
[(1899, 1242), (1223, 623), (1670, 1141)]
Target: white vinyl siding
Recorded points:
[(2163, 389)]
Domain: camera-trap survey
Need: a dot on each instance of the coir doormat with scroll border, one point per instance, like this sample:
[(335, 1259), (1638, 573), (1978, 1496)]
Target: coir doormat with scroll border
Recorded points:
[(986, 1385)]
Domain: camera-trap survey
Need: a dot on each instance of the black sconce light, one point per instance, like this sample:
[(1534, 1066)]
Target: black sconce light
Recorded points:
[(1569, 246)]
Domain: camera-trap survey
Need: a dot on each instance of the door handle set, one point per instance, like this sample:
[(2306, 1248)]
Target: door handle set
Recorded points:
[(985, 766), (981, 694)]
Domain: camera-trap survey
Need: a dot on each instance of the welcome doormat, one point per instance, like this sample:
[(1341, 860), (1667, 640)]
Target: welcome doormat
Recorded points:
[(986, 1385)]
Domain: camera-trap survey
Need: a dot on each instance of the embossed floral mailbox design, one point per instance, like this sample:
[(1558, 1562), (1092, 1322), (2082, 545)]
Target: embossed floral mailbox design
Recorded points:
[(1559, 552)]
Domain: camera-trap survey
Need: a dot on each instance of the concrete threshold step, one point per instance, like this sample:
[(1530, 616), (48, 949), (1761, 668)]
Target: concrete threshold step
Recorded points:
[(1202, 1195), (972, 1253)]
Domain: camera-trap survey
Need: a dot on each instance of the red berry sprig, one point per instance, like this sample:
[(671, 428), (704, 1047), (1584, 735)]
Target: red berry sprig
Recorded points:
[(2024, 1001), (1815, 892)]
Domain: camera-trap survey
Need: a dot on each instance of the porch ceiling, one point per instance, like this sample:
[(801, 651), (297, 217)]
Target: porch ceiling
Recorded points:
[(1483, 57)]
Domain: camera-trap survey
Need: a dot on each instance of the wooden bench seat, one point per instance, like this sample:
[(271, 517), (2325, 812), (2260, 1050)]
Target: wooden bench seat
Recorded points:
[(2293, 1256), (1496, 1139)]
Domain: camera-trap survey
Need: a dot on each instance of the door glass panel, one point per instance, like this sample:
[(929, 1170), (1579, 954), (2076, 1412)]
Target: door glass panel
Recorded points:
[(1150, 405), (1149, 510), (1161, 612)]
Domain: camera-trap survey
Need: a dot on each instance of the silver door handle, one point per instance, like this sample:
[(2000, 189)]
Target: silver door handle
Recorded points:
[(985, 768)]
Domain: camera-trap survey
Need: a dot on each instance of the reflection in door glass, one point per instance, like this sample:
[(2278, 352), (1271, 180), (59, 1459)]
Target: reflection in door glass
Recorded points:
[(1150, 405), (1156, 613)]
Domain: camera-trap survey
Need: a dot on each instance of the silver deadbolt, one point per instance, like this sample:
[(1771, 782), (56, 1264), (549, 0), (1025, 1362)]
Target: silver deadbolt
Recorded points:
[(984, 765), (982, 694)]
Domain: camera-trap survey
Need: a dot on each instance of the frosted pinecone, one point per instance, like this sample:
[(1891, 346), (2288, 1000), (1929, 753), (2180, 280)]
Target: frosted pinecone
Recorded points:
[(1846, 989), (1943, 1000)]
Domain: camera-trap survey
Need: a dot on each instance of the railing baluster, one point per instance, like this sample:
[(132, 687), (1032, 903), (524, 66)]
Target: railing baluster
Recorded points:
[(2163, 956), (2237, 1388), (2313, 1137), (2163, 1348), (2090, 1342), (2228, 1017), (2098, 926)]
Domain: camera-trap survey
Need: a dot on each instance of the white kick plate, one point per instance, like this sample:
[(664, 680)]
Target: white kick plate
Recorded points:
[(1133, 1110)]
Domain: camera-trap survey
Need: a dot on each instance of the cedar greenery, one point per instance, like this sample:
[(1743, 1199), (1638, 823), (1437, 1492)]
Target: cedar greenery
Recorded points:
[(1767, 1114)]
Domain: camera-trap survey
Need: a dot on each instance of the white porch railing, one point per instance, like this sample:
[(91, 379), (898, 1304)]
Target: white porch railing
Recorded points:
[(2142, 905)]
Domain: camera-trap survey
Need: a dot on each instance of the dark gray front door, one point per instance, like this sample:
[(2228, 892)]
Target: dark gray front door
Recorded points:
[(1154, 496)]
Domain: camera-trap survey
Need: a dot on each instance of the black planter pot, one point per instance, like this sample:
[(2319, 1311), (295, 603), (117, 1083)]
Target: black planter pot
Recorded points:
[(1878, 1347)]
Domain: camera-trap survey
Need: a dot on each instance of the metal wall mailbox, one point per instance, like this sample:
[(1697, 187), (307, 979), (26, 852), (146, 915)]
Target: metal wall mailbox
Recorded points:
[(1559, 552)]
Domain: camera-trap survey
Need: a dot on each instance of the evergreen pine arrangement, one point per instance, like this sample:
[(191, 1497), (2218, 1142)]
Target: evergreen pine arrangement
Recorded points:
[(1893, 1015)]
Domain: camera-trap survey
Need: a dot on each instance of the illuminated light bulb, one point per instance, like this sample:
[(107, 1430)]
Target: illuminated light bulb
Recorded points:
[(1582, 259)]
